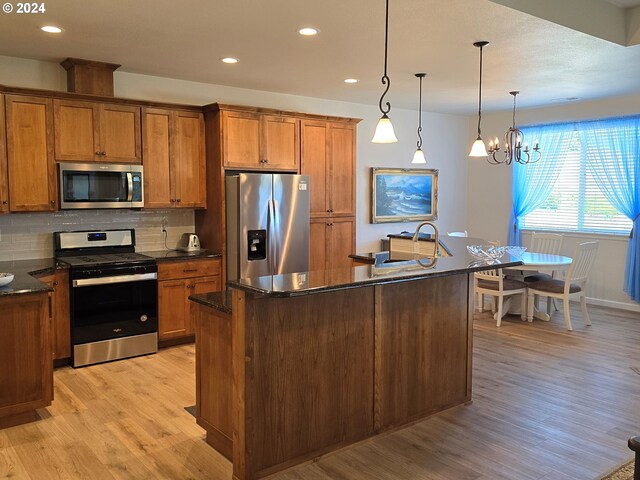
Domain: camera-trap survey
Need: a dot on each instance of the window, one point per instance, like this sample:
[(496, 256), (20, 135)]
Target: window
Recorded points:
[(575, 202)]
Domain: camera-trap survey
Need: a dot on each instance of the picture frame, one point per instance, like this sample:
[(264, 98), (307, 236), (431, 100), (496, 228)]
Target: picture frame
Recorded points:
[(403, 195)]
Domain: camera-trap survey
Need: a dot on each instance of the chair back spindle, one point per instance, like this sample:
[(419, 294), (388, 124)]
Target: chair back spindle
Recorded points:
[(546, 243)]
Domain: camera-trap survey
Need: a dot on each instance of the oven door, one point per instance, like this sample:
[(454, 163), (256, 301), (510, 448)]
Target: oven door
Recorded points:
[(86, 185), (113, 303)]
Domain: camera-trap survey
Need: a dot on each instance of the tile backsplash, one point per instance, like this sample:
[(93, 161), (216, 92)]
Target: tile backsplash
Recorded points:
[(30, 235)]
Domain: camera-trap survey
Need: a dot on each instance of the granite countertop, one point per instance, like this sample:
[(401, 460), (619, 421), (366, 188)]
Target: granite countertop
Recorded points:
[(24, 282), (220, 301), (389, 271), (168, 255)]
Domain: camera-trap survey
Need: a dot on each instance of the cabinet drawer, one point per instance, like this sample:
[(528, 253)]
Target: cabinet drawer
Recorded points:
[(190, 268)]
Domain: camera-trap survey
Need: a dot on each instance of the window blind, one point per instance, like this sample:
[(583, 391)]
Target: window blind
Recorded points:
[(576, 203)]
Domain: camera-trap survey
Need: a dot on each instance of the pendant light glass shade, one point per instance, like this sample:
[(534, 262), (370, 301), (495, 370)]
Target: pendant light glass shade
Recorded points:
[(479, 149), (418, 157), (384, 131)]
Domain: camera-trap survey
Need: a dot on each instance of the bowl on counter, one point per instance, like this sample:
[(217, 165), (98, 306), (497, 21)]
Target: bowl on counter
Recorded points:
[(486, 252), (5, 279)]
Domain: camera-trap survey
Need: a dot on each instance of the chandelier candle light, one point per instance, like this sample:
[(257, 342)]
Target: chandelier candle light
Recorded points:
[(478, 149), (384, 130), (418, 157), (513, 145)]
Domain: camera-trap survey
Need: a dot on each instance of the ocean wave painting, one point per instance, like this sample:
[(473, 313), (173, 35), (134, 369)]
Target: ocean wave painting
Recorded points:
[(403, 195)]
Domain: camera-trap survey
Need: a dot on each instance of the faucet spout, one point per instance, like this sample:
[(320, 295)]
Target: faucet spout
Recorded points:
[(435, 230)]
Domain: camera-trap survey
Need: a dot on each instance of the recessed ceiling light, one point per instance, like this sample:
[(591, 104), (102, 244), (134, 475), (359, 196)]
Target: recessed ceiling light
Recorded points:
[(308, 31), (229, 60), (51, 29), (350, 80)]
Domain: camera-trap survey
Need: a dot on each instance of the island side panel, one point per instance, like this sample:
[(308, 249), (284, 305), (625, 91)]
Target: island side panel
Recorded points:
[(308, 376), (214, 377), (422, 355)]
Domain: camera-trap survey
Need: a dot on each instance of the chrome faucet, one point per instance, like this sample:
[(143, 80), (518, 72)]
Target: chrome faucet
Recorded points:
[(435, 230)]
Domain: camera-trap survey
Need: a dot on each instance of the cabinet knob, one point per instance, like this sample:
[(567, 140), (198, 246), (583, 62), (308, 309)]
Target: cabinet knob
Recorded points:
[(52, 203), (55, 284), (178, 200), (4, 202)]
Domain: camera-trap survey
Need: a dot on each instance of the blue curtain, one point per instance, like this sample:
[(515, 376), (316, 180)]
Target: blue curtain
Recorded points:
[(532, 183), (613, 158)]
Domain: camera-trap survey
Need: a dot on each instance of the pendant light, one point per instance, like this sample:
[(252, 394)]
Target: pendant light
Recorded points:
[(478, 149), (384, 130), (418, 157)]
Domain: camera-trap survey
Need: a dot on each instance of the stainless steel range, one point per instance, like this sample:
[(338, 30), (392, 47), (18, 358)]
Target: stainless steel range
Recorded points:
[(113, 295)]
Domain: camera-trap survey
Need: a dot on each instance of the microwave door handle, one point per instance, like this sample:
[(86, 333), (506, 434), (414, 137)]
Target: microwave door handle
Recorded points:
[(129, 187)]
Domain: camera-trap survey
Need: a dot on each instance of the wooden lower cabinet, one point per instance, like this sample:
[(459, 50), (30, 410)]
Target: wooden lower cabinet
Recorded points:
[(26, 376), (332, 241), (59, 313), (177, 281)]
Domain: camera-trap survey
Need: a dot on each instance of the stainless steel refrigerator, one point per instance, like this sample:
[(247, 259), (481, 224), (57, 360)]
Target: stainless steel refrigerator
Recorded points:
[(267, 224)]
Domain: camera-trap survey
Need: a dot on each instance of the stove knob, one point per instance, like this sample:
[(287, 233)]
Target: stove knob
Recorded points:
[(144, 318)]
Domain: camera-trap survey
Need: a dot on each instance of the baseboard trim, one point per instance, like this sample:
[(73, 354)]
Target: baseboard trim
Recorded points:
[(632, 307)]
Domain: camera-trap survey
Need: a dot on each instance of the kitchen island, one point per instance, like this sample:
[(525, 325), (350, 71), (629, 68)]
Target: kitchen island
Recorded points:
[(303, 364)]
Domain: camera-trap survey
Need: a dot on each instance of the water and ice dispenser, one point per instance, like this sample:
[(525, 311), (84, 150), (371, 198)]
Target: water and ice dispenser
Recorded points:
[(257, 244)]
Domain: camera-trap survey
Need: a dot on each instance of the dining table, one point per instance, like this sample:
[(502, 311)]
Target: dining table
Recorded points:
[(538, 262)]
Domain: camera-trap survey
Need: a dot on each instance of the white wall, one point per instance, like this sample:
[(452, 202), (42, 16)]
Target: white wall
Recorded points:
[(489, 193), (442, 144)]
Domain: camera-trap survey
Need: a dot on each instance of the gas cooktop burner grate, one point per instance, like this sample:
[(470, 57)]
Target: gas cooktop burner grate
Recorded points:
[(111, 258)]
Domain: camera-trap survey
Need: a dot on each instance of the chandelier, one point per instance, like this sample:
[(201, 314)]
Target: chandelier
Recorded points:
[(515, 148)]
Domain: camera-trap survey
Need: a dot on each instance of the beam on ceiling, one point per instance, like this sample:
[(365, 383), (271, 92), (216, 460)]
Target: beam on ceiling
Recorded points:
[(593, 17)]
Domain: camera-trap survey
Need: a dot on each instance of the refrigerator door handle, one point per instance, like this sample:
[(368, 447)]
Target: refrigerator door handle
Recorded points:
[(276, 234), (270, 238)]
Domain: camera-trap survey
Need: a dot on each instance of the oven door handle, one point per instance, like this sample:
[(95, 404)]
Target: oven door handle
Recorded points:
[(129, 186), (139, 277)]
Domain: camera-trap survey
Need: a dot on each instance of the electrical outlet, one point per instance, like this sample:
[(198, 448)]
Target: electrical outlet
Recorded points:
[(163, 225)]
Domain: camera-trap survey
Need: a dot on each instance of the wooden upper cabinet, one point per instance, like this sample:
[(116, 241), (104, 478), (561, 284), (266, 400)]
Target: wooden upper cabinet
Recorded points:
[(240, 139), (120, 133), (280, 143), (315, 164), (30, 164), (328, 158), (189, 160), (174, 159), (256, 141), (342, 179), (4, 186), (88, 131)]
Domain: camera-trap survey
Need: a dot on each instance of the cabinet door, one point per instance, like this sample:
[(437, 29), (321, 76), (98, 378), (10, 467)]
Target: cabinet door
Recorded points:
[(341, 242), (188, 160), (172, 308), (120, 133), (318, 244), (240, 140), (280, 143), (76, 130), (199, 285), (342, 174), (4, 186), (158, 186), (30, 164), (314, 163)]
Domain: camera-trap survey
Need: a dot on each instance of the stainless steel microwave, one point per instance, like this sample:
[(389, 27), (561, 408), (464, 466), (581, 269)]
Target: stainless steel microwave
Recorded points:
[(100, 185)]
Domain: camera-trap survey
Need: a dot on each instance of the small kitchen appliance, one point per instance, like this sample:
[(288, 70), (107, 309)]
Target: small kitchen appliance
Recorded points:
[(189, 243)]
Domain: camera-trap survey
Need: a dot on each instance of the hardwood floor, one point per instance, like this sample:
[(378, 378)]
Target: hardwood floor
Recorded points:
[(547, 405)]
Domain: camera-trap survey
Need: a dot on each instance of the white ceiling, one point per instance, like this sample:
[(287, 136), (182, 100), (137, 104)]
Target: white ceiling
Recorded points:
[(624, 3), (547, 62)]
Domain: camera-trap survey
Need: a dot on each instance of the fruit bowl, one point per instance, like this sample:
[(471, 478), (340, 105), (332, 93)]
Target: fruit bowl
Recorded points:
[(486, 252), (5, 279)]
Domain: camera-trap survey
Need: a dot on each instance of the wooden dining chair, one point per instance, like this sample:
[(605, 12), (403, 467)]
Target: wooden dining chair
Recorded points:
[(492, 282), (550, 243), (574, 283)]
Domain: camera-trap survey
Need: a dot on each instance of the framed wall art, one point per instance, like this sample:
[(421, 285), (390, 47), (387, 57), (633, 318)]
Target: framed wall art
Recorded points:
[(403, 194)]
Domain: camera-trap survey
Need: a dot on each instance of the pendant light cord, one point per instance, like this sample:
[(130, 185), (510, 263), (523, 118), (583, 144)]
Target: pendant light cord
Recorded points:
[(480, 94), (420, 76), (514, 108), (385, 79)]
